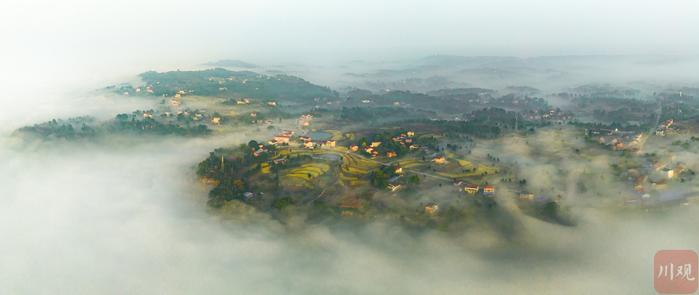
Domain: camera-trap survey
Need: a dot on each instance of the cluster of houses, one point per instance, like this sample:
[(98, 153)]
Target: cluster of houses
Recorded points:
[(439, 159), (664, 127), (654, 175), (305, 120), (255, 120), (148, 89), (308, 143), (474, 189), (553, 115), (195, 115), (328, 143), (284, 138), (139, 89), (615, 138), (242, 101), (176, 100), (371, 149), (406, 139)]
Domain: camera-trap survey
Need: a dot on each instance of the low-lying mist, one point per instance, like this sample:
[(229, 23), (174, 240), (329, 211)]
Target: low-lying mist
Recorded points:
[(117, 218)]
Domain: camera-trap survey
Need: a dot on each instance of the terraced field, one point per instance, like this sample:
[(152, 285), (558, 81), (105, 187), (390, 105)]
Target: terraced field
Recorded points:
[(465, 164), (355, 169), (410, 163), (303, 176)]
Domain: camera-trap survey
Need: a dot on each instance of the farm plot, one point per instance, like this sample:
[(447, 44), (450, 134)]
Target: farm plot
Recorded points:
[(304, 175)]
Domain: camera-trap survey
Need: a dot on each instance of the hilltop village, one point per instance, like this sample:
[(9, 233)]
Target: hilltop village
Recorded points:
[(433, 159)]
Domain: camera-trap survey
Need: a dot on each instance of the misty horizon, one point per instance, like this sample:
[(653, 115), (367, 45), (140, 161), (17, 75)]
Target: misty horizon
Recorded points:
[(346, 147)]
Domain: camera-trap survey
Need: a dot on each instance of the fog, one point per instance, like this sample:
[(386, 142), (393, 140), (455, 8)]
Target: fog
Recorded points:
[(114, 220), (120, 217)]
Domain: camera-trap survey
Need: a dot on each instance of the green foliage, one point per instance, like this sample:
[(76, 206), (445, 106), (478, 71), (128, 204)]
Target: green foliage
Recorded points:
[(232, 168), (155, 127), (73, 128), (134, 123), (366, 113), (282, 203), (222, 82), (378, 178)]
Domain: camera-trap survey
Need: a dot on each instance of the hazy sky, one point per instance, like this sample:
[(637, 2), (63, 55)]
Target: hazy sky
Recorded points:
[(89, 36), (50, 46), (141, 31)]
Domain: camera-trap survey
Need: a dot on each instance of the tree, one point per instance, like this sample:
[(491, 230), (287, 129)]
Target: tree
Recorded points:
[(379, 179), (239, 184), (122, 117), (282, 203), (253, 144)]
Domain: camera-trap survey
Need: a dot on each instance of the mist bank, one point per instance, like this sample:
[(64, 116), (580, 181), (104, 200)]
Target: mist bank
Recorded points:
[(115, 219), (547, 73)]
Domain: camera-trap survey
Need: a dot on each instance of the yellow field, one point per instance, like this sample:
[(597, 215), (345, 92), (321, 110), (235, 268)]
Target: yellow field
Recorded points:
[(409, 163), (354, 168), (465, 164), (481, 169), (312, 169), (358, 164), (302, 176), (264, 168), (351, 180)]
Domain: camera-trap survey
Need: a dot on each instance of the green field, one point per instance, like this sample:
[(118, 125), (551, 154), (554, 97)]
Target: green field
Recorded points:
[(355, 168), (304, 175)]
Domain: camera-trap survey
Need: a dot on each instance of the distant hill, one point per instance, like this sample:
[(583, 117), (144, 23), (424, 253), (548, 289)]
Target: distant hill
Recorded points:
[(222, 82), (461, 92), (231, 63), (466, 61), (522, 90)]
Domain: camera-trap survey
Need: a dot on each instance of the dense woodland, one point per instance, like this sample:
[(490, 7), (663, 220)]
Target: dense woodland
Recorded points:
[(222, 82), (135, 123)]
